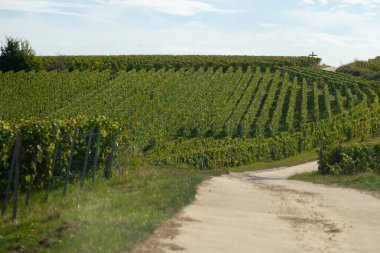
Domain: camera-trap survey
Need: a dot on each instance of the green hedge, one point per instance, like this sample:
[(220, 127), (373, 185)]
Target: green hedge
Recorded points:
[(38, 142), (138, 62), (348, 160)]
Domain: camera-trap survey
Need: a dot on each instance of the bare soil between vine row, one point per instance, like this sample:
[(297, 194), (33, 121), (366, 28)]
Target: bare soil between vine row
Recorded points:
[(263, 212)]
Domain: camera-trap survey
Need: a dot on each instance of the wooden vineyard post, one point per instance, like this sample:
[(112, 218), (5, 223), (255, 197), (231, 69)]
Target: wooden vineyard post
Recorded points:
[(96, 156), (16, 151), (322, 149), (299, 146), (48, 187), (26, 203), (70, 161), (108, 172), (117, 166), (203, 163), (28, 192), (86, 158), (17, 177)]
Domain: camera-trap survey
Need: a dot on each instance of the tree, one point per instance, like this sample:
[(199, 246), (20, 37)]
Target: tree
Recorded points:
[(16, 55)]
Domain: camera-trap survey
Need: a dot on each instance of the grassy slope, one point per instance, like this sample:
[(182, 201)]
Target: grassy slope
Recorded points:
[(110, 217), (355, 70), (113, 215), (290, 161), (363, 182)]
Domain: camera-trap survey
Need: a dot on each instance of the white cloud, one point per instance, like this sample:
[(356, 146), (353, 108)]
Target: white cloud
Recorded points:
[(311, 2), (337, 36), (308, 1), (331, 19), (365, 3), (174, 7), (43, 6), (268, 25), (193, 37), (344, 3)]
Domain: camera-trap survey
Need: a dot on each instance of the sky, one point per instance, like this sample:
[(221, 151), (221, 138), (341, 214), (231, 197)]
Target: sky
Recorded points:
[(338, 31)]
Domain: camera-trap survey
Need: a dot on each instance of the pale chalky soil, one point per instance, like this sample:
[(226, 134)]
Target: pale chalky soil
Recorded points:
[(264, 212)]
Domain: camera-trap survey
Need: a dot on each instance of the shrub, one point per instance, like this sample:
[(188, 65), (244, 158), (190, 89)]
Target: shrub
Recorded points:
[(348, 160), (17, 55)]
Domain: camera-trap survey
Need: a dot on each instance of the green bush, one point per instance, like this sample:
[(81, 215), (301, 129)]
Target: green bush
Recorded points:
[(39, 137), (348, 160), (17, 55), (365, 69)]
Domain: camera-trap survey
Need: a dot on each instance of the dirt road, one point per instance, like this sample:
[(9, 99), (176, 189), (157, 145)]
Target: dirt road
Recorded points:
[(331, 69), (264, 212)]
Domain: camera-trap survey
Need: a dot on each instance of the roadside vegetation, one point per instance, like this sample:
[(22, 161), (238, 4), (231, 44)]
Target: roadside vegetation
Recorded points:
[(286, 162), (110, 216), (361, 181), (353, 165), (365, 69)]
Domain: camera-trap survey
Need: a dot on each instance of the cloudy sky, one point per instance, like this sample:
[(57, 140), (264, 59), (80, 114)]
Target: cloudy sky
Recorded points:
[(339, 31)]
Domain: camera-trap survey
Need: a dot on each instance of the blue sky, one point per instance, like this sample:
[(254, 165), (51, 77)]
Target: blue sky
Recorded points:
[(339, 31)]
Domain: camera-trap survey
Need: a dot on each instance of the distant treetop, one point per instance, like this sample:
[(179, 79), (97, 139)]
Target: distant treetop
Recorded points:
[(17, 55)]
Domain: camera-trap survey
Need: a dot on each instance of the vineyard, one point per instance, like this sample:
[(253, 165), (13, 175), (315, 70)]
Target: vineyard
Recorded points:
[(207, 112), (157, 62), (205, 117)]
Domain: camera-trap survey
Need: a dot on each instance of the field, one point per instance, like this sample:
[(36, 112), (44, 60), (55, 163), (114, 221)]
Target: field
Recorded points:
[(220, 112), (77, 120), (206, 117)]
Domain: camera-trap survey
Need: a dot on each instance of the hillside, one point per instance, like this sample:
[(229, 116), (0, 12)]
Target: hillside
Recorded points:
[(62, 131), (206, 117), (139, 62), (365, 69)]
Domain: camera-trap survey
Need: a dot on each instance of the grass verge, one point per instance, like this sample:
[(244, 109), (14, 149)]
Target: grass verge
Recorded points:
[(111, 216), (287, 162), (362, 182), (369, 182), (108, 217)]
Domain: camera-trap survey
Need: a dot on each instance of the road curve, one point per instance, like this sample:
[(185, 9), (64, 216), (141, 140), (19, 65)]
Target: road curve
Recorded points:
[(264, 212)]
